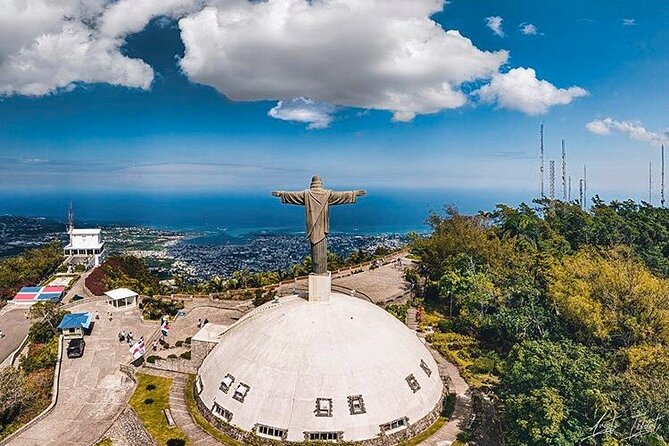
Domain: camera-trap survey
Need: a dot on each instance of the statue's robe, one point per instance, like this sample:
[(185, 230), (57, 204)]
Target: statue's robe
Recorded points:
[(317, 205)]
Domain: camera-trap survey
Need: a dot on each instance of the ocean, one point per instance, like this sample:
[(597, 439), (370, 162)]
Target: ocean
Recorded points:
[(229, 214)]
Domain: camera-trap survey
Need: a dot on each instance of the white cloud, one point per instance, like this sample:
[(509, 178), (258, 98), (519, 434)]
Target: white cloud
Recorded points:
[(519, 89), (370, 54), (359, 53), (495, 24), (47, 45), (629, 22), (528, 29), (318, 115), (634, 129)]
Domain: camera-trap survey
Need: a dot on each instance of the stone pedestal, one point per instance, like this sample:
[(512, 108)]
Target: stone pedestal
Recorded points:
[(320, 287)]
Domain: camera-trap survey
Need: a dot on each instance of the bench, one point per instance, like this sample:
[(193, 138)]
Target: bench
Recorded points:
[(168, 416)]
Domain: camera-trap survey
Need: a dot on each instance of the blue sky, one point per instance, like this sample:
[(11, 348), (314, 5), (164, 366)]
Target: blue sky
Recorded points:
[(181, 133)]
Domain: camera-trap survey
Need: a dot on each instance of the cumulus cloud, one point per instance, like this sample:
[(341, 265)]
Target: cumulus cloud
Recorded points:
[(634, 129), (495, 24), (360, 53), (369, 54), (47, 45), (528, 29), (519, 89), (629, 22), (317, 114)]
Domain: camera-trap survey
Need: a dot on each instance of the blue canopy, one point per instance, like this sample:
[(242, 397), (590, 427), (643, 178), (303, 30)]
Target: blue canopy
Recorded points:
[(76, 320)]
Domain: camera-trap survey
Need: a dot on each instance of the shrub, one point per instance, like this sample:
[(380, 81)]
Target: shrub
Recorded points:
[(188, 340), (179, 343), (176, 442), (164, 343), (155, 307), (148, 401), (172, 356), (186, 355), (152, 359), (151, 386), (77, 297)]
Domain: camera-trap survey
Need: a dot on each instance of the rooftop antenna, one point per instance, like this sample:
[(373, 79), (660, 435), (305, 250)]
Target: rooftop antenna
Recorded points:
[(662, 185), (580, 192), (650, 183), (541, 168), (70, 218), (564, 172), (551, 169), (569, 189)]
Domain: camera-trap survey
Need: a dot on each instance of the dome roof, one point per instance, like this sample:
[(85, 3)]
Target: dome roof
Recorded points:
[(344, 366)]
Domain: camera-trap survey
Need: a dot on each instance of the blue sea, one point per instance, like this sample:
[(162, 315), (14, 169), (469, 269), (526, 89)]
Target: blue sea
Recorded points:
[(230, 214)]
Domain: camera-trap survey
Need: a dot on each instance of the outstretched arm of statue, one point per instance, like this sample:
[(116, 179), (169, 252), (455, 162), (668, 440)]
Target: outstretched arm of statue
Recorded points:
[(345, 197), (289, 197)]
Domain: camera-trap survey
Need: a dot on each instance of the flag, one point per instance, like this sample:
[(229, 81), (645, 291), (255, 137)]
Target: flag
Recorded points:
[(165, 328), (138, 349)]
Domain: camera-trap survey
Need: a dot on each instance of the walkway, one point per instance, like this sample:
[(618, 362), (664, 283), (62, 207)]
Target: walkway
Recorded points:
[(92, 389), (181, 416), (78, 288), (462, 413)]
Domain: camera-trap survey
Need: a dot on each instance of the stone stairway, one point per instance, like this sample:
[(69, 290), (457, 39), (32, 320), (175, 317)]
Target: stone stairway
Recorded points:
[(412, 318), (183, 419)]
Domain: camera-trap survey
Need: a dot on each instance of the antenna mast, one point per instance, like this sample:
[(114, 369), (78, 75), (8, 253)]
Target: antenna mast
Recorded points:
[(564, 172), (580, 192), (662, 186), (70, 218), (569, 190), (650, 183), (585, 186), (551, 169), (541, 168)]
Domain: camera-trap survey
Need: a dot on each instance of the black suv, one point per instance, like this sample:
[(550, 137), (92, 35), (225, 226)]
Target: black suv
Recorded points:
[(75, 348)]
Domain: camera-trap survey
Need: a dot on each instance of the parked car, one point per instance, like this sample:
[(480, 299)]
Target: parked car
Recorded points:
[(75, 348)]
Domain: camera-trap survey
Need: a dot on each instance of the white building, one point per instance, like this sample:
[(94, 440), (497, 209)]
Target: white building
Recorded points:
[(86, 243), (121, 298), (334, 369)]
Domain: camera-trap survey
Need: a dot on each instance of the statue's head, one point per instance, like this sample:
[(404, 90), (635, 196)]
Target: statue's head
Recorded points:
[(316, 182)]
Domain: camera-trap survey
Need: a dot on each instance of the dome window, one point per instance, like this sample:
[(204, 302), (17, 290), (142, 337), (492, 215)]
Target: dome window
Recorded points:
[(395, 425), (356, 405), (241, 392), (198, 384), (425, 368), (323, 436), (221, 412), (413, 383), (227, 383), (323, 407), (271, 432)]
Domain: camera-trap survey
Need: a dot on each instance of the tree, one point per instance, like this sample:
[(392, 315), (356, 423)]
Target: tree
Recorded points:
[(611, 298), (13, 394), (553, 393), (46, 318)]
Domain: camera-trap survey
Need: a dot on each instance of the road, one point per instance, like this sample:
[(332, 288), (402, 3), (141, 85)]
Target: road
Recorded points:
[(15, 326)]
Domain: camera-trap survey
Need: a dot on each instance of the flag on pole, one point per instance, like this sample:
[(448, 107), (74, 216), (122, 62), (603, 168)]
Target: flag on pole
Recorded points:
[(138, 349), (165, 328)]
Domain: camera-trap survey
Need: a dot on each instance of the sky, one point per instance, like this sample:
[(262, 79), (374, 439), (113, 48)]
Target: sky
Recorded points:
[(232, 96)]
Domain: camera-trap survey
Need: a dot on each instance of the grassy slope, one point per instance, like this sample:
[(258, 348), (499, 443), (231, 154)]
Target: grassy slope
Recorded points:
[(152, 416)]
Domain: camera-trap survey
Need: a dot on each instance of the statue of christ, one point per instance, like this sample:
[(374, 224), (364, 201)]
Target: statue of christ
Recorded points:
[(317, 202)]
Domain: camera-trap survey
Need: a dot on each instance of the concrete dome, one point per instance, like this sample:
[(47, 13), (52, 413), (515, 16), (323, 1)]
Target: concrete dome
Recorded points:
[(343, 370)]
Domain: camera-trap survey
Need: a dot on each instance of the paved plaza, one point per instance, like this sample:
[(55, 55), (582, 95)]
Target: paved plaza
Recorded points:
[(382, 284), (92, 389)]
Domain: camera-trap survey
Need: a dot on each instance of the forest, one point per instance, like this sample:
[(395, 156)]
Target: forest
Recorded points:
[(561, 313)]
